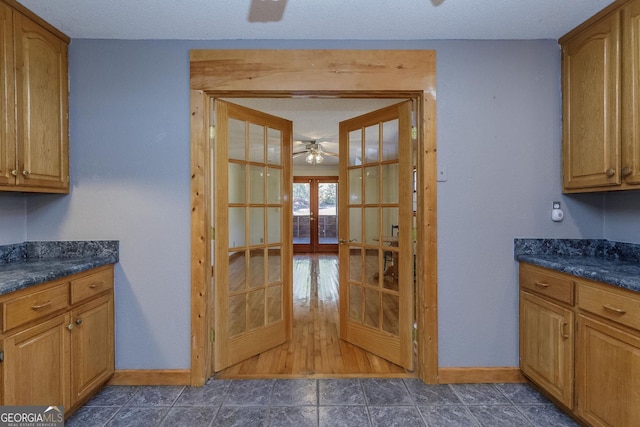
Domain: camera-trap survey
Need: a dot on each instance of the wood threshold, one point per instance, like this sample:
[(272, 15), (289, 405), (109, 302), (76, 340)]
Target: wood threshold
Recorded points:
[(480, 375), (312, 376), (151, 377)]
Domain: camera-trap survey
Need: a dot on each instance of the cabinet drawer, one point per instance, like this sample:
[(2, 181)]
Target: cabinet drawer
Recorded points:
[(91, 284), (545, 282), (612, 304), (33, 306)]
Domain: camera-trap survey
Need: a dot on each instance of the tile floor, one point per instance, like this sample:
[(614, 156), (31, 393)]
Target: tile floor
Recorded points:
[(326, 402)]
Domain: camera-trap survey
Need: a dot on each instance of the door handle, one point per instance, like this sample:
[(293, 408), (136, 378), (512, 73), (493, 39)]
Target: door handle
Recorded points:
[(344, 242)]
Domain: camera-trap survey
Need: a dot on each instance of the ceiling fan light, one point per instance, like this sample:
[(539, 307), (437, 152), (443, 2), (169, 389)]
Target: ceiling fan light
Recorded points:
[(319, 158), (310, 157)]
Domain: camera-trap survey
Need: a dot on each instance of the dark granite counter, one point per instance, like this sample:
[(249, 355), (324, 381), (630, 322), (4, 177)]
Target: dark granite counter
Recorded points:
[(608, 262), (31, 263)]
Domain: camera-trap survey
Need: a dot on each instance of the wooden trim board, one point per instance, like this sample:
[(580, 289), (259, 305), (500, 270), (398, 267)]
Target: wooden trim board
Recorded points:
[(480, 375), (151, 377)]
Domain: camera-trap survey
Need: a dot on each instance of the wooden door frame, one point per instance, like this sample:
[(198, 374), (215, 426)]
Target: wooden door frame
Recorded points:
[(407, 74), (313, 206)]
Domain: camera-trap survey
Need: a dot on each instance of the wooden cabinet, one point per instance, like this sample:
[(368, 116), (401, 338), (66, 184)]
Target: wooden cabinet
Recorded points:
[(36, 364), (546, 333), (607, 374), (601, 102), (586, 356), (34, 148), (7, 98), (630, 170), (92, 346), (608, 355), (57, 344)]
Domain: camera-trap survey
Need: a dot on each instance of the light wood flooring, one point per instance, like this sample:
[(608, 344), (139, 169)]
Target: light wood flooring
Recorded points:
[(315, 350)]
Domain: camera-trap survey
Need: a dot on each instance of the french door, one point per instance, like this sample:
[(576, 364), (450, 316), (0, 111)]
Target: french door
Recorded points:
[(376, 233), (252, 249), (315, 214)]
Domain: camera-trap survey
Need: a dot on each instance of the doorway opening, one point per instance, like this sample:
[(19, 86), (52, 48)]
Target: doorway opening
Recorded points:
[(409, 74), (255, 203)]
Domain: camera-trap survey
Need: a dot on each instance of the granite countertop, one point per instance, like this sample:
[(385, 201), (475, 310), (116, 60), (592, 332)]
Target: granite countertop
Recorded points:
[(603, 261), (31, 263)]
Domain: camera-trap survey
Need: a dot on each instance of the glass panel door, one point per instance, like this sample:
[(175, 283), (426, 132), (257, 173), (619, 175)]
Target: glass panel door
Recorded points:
[(327, 213), (376, 244), (252, 258), (315, 214), (302, 216)]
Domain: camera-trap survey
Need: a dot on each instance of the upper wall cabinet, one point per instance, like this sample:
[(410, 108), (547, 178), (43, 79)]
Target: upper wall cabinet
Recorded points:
[(34, 149), (601, 114)]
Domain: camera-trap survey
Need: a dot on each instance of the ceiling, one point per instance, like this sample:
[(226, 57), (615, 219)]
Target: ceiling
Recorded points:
[(315, 19)]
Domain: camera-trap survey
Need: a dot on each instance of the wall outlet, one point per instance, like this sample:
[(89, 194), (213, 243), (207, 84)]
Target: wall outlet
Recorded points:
[(442, 174)]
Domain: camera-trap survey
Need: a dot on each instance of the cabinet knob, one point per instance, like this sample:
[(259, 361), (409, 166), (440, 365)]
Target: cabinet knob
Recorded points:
[(25, 173), (626, 171), (610, 172), (70, 326), (14, 172), (79, 322)]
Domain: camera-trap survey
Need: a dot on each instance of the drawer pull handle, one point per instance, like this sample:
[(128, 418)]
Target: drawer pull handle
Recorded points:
[(541, 284), (614, 309), (565, 333), (95, 285), (39, 306)]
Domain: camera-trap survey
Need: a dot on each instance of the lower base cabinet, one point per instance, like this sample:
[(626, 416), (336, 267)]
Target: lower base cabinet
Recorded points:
[(36, 365), (584, 355), (91, 347), (62, 357), (607, 374), (546, 346)]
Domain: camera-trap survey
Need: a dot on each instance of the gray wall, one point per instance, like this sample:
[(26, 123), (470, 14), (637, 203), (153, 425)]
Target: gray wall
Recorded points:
[(498, 135), (13, 218), (622, 216)]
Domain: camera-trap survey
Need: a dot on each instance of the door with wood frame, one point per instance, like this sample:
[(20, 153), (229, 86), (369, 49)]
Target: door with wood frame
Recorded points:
[(315, 214), (252, 229), (376, 233)]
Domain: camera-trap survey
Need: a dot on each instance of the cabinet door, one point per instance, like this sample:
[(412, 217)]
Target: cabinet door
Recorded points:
[(546, 346), (36, 365), (591, 122), (42, 96), (7, 98), (607, 374), (631, 93), (92, 359)]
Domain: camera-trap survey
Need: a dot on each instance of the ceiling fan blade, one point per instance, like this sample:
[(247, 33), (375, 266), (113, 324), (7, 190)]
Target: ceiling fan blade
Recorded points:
[(328, 153), (266, 11), (298, 154)]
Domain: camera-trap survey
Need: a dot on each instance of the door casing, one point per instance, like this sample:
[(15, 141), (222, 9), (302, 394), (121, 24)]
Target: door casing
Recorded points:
[(335, 73)]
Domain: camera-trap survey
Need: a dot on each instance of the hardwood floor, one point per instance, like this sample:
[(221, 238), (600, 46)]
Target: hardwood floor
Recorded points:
[(315, 350)]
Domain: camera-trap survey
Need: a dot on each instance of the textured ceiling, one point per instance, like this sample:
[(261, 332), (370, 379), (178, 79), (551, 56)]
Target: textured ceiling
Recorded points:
[(315, 19)]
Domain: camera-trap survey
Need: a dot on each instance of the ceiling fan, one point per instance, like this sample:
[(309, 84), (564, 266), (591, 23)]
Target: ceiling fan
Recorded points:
[(266, 10), (313, 151)]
